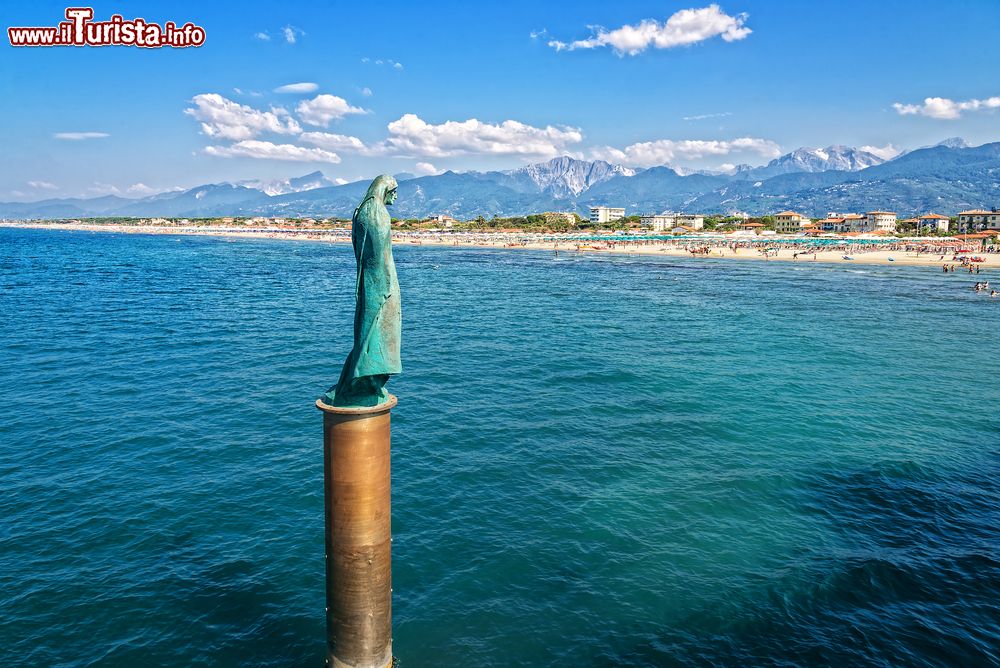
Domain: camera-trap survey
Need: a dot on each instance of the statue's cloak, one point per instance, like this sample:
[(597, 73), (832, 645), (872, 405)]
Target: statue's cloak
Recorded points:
[(377, 313)]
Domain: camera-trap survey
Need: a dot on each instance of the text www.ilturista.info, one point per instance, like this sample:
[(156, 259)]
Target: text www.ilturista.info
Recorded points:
[(80, 30)]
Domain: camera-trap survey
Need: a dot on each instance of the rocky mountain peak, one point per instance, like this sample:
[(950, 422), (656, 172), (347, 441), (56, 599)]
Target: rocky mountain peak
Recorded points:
[(565, 176)]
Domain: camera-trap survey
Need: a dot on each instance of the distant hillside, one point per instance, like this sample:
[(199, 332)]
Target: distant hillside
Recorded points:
[(836, 158), (939, 178), (944, 178)]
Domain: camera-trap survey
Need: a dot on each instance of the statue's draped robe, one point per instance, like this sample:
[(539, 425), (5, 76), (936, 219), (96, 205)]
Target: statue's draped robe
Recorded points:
[(377, 313)]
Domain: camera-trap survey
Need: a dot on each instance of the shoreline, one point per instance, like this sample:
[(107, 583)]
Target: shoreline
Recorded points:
[(862, 254)]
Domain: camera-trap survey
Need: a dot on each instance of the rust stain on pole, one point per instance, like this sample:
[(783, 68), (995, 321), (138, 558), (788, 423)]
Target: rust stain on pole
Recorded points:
[(356, 464)]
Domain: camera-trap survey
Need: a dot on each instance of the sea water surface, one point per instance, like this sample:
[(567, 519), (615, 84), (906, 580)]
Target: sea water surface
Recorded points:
[(597, 461)]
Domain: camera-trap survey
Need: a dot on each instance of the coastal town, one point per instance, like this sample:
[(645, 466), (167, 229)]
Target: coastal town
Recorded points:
[(879, 223), (966, 240), (969, 223)]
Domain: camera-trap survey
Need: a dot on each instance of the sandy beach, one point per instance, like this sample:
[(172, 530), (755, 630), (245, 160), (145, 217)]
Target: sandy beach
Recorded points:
[(780, 249), (858, 256)]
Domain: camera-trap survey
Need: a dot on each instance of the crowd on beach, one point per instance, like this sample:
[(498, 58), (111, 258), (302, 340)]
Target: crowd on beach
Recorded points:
[(949, 253), (804, 247)]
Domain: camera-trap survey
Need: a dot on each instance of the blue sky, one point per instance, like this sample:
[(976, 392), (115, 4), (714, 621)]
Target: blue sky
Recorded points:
[(424, 87)]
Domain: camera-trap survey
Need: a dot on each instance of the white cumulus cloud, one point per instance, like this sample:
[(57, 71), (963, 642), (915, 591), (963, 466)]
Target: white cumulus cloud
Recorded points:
[(43, 185), (265, 150), (79, 136), (943, 108), (411, 136), (887, 152), (222, 118), (262, 36), (688, 26), (303, 87), (666, 151), (334, 142), (425, 168), (292, 33), (104, 189), (325, 108), (143, 189)]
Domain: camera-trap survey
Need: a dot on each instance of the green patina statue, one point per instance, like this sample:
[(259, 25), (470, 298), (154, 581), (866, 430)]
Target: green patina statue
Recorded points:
[(377, 314)]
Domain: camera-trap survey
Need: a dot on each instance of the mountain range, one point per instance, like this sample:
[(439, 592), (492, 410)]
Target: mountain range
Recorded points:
[(943, 178)]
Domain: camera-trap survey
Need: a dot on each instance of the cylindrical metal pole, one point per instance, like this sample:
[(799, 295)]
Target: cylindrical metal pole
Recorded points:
[(356, 484)]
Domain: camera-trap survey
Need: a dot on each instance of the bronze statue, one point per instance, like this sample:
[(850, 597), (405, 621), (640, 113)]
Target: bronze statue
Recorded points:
[(377, 315)]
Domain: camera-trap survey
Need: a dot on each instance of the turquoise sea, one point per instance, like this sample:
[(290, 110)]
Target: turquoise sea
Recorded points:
[(597, 461)]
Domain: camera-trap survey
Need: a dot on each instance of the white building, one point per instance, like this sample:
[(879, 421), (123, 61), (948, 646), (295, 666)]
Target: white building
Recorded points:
[(692, 220), (605, 214), (659, 222), (978, 219), (844, 222), (788, 221), (561, 216), (880, 220), (832, 224), (443, 220), (683, 229), (934, 222), (853, 222)]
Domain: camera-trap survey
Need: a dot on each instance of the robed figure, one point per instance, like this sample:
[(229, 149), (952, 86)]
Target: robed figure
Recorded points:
[(377, 315)]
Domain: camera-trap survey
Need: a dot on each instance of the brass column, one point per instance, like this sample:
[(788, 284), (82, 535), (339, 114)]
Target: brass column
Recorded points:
[(356, 486)]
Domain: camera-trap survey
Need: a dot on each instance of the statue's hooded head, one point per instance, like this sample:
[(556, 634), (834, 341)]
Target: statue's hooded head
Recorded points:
[(382, 189)]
